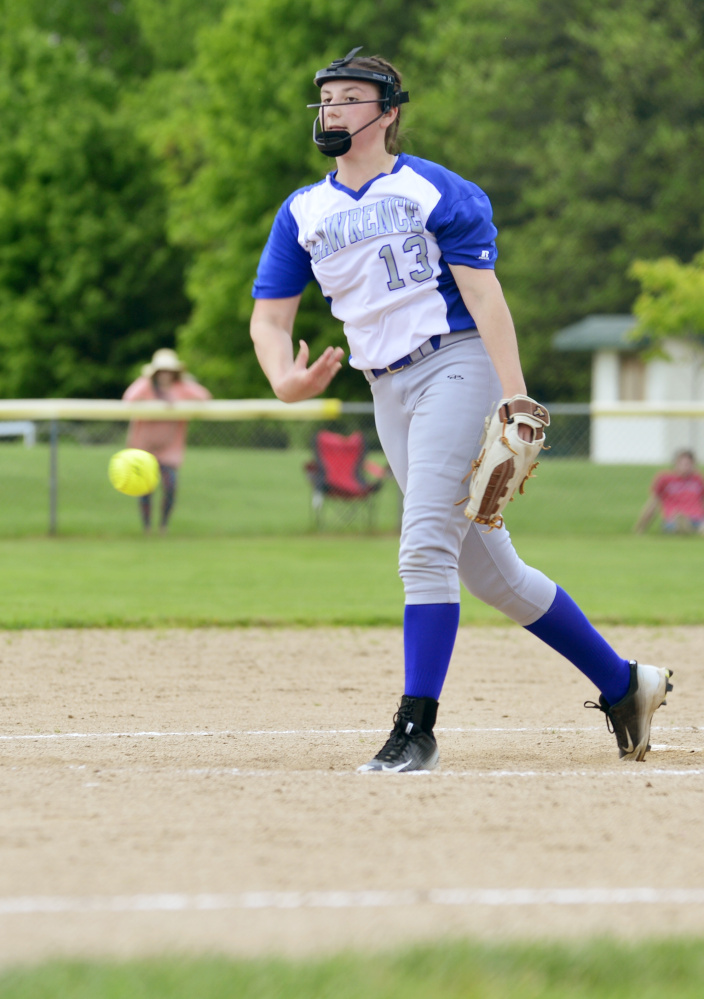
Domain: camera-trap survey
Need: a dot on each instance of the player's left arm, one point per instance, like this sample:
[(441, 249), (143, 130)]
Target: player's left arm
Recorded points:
[(484, 298), (483, 295)]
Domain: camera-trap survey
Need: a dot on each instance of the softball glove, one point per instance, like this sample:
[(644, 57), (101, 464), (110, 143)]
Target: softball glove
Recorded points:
[(505, 461)]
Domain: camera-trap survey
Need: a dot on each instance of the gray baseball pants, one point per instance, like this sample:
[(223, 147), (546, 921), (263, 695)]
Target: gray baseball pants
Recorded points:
[(430, 420)]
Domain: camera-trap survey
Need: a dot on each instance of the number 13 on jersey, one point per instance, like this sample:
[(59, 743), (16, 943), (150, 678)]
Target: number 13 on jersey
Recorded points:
[(413, 245)]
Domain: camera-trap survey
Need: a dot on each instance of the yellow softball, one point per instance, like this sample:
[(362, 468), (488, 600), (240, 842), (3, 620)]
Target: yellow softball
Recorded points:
[(134, 472)]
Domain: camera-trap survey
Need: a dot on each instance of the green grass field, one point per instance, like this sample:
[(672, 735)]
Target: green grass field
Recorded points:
[(245, 492), (243, 549), (160, 582), (592, 970), (232, 492)]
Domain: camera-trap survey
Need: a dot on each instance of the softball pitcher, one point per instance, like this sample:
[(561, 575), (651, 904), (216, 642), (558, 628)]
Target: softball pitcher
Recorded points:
[(404, 251)]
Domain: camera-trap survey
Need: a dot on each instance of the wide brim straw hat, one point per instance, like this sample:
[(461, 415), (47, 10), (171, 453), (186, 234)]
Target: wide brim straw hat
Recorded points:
[(163, 360)]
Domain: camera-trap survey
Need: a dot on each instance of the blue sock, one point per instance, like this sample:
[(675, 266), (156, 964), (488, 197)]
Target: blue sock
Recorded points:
[(429, 632), (565, 629)]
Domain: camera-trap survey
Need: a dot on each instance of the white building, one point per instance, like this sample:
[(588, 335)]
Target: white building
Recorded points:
[(643, 409)]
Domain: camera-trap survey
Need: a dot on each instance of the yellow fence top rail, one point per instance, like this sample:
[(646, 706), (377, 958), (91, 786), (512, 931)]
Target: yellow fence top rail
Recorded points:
[(688, 409), (216, 409)]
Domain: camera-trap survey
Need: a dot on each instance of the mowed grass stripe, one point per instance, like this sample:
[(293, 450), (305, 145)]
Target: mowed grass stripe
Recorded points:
[(589, 969), (316, 580)]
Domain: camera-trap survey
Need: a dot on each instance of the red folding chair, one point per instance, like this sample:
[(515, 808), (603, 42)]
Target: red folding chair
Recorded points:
[(340, 471)]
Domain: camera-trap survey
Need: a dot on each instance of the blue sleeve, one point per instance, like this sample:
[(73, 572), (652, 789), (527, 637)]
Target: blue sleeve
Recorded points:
[(284, 267), (463, 226)]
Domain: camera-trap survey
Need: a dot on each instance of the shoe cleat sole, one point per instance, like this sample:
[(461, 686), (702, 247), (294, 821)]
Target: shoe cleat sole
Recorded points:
[(657, 693)]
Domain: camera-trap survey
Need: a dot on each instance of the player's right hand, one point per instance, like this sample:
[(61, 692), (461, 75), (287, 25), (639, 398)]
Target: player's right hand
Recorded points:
[(303, 382)]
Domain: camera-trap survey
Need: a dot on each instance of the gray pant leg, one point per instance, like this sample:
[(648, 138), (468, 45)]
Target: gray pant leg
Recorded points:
[(430, 419), (491, 570)]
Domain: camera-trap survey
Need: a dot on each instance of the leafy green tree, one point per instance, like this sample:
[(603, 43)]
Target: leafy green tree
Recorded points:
[(108, 33), (671, 300), (132, 38), (584, 122), (169, 27), (88, 284), (582, 119), (237, 144)]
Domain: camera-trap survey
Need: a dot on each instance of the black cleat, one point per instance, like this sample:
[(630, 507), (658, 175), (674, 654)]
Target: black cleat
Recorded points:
[(630, 718), (411, 744)]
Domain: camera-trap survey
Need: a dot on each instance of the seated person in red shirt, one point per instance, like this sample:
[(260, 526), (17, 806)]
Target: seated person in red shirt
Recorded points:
[(678, 495)]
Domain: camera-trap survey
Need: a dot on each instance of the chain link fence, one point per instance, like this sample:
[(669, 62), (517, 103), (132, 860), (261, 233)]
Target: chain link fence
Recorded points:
[(240, 476), (569, 431)]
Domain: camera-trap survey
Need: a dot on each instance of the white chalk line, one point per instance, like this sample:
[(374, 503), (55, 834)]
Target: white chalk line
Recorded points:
[(625, 770), (31, 905), (666, 747), (546, 730)]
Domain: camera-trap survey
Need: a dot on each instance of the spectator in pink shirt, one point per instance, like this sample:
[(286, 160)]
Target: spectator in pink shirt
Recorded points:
[(678, 496), (165, 377)]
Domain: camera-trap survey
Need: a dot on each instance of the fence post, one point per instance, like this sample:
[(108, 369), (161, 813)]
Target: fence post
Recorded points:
[(53, 473)]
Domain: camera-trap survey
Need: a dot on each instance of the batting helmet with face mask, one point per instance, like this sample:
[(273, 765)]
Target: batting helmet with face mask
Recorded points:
[(336, 142)]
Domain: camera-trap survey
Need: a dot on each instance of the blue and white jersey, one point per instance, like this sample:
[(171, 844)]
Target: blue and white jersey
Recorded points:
[(381, 254)]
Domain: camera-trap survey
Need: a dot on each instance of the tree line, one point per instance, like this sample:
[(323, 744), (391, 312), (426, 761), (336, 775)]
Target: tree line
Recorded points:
[(145, 146)]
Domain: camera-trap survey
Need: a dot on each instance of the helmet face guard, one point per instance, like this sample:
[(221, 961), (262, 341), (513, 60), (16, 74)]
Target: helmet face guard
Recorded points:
[(336, 142)]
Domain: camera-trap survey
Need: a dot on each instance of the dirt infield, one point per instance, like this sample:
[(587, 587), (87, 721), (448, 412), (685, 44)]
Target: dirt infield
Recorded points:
[(195, 791)]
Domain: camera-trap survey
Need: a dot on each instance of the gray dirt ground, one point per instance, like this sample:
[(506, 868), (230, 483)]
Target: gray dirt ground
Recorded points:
[(150, 780)]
